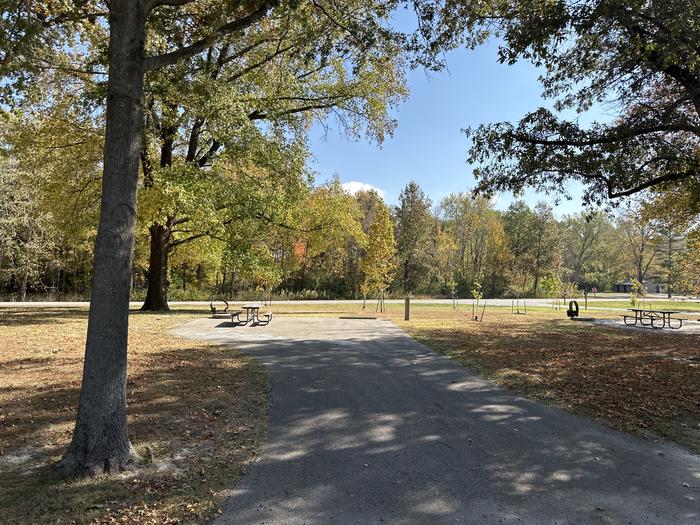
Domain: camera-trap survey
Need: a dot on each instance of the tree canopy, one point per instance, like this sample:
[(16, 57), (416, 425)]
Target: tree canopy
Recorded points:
[(639, 59), (379, 262), (414, 237)]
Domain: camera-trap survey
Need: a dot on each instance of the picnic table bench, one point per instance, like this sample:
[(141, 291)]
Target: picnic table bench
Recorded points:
[(653, 318)]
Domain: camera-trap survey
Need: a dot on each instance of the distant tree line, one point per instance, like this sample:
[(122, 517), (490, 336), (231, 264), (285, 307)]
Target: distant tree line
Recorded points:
[(330, 244)]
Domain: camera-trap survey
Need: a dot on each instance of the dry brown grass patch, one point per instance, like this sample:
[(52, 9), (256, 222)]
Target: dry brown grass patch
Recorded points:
[(197, 410)]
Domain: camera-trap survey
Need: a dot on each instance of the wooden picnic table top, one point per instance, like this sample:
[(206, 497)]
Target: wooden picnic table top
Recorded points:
[(251, 306), (653, 311)]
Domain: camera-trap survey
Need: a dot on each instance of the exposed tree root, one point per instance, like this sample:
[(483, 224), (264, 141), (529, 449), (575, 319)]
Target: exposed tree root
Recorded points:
[(88, 465)]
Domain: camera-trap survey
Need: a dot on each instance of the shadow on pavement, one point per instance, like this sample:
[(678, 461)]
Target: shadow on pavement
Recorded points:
[(369, 426)]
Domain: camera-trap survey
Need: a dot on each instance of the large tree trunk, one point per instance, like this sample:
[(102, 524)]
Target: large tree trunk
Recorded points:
[(157, 294), (100, 440)]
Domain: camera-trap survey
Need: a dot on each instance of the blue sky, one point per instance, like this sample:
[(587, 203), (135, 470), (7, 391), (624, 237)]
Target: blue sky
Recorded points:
[(428, 146)]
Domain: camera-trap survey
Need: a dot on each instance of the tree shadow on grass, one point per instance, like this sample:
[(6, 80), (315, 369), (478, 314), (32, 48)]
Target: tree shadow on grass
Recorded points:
[(198, 409), (203, 311), (40, 316)]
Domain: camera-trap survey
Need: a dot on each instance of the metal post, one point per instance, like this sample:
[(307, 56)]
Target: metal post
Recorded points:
[(407, 308)]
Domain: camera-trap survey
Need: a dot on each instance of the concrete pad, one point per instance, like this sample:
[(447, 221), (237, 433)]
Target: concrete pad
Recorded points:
[(369, 426), (689, 327)]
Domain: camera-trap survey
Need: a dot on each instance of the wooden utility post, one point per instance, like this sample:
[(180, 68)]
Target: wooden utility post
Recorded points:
[(407, 308)]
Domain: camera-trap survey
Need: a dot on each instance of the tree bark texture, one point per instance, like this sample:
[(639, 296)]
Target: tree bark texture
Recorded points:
[(100, 440)]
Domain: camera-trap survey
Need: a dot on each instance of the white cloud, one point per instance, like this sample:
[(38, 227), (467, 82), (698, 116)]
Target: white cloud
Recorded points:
[(353, 186)]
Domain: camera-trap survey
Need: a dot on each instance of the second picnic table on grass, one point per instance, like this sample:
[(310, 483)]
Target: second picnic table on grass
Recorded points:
[(648, 317)]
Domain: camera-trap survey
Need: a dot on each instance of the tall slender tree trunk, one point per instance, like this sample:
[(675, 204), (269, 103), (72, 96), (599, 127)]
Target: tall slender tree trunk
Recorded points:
[(669, 290), (157, 294), (100, 438), (23, 287)]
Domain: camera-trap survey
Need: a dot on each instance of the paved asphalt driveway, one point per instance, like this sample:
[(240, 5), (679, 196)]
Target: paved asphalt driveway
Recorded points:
[(368, 426)]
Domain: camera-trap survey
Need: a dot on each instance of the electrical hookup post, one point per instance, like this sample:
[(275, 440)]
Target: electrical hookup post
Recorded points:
[(407, 308)]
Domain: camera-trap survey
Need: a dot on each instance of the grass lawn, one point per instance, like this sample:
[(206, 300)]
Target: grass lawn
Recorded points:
[(198, 410)]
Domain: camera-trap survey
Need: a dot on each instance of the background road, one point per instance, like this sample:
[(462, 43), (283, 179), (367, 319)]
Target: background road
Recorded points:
[(624, 300)]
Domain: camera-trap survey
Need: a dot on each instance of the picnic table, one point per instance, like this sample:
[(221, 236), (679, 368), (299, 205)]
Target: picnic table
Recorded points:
[(252, 311), (648, 317)]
